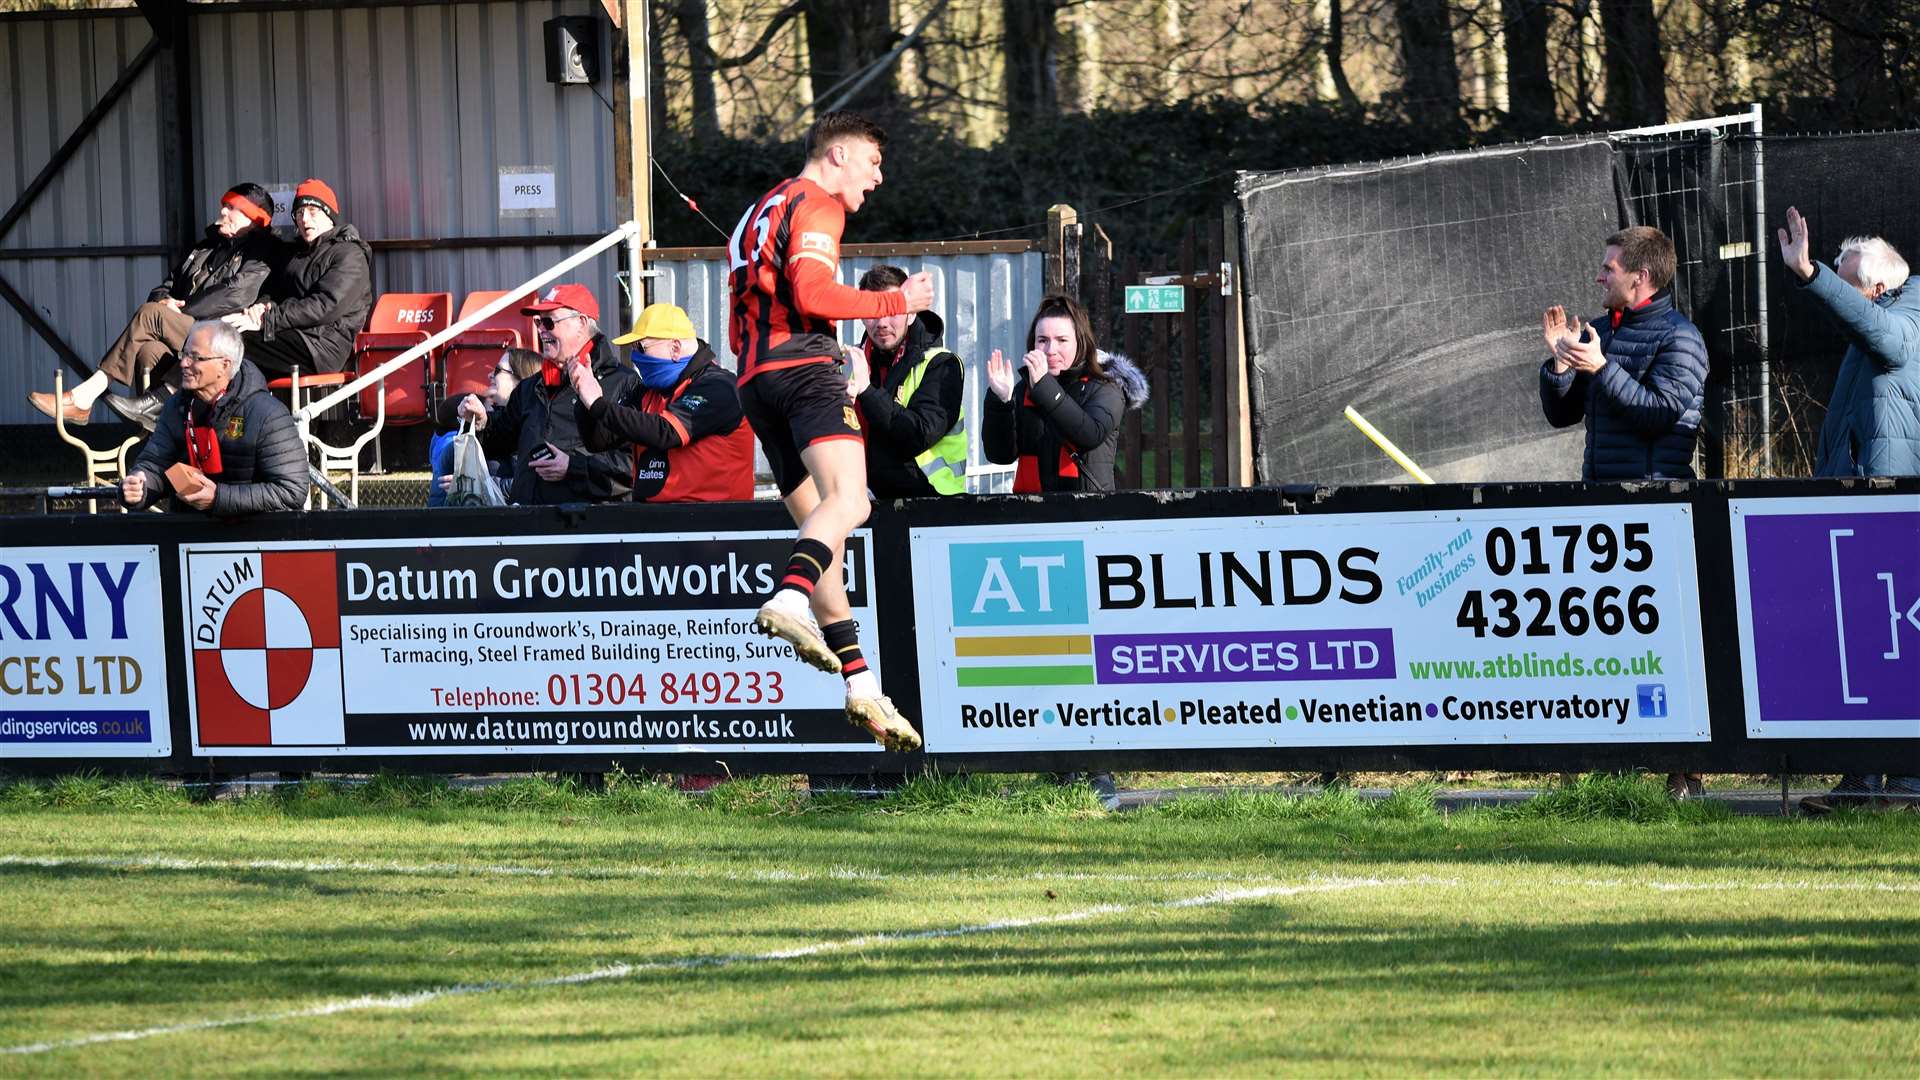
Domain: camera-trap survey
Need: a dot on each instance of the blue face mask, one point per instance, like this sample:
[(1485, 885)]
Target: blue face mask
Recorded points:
[(657, 372)]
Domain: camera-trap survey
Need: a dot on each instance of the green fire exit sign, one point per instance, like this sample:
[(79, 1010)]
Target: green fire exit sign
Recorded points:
[(1155, 299)]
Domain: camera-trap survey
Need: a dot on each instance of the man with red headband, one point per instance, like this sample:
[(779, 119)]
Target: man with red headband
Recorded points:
[(221, 275)]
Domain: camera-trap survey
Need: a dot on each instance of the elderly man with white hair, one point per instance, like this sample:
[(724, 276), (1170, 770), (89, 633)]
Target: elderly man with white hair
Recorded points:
[(1873, 419), (223, 445)]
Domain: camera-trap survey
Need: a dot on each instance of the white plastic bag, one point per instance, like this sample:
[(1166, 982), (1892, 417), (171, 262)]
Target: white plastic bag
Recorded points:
[(472, 484)]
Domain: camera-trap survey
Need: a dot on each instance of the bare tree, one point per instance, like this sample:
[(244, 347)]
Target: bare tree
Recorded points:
[(1432, 69), (844, 38), (1032, 55), (1636, 75), (690, 17), (1335, 51), (1529, 80)]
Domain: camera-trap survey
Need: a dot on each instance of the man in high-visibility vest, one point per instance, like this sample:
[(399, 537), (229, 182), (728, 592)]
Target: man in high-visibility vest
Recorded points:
[(914, 408)]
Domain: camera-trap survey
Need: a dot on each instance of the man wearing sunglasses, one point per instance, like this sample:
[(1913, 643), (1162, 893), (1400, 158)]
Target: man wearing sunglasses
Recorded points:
[(223, 445), (540, 426)]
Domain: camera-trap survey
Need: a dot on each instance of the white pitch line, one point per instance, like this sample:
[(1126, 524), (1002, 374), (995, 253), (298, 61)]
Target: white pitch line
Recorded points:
[(840, 873), (168, 862), (417, 998)]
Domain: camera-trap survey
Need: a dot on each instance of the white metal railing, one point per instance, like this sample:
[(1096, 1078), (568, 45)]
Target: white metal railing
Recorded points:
[(350, 456)]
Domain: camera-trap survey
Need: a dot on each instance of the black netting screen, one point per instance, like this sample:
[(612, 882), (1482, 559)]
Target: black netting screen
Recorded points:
[(1846, 186), (1413, 292), (1700, 188)]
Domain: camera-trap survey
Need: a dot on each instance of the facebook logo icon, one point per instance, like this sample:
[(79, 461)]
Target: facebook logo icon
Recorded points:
[(1653, 700)]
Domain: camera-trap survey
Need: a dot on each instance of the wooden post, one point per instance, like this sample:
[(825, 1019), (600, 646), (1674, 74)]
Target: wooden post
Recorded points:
[(1063, 249), (1240, 470), (633, 155)]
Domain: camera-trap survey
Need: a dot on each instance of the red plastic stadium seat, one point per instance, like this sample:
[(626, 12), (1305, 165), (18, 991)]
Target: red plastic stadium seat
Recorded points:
[(401, 321), (312, 387), (470, 357)]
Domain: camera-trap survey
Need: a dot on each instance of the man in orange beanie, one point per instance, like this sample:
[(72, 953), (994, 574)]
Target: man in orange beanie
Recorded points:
[(320, 300)]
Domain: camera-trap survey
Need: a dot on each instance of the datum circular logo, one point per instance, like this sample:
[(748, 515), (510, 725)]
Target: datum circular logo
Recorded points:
[(266, 648)]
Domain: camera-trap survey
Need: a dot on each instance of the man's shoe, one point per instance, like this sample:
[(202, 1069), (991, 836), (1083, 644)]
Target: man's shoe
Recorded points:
[(71, 413), (1816, 805), (882, 721), (143, 410), (1105, 789), (791, 622), (1682, 786)]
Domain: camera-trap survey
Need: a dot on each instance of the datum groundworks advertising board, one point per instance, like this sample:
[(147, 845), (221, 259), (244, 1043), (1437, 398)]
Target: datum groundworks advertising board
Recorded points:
[(83, 669), (503, 646), (1528, 625), (1828, 595)]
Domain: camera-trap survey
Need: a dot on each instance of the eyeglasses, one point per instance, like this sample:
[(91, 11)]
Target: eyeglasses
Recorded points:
[(502, 370), (199, 359), (548, 322)]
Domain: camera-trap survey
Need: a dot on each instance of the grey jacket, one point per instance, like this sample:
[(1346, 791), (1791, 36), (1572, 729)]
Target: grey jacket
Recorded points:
[(1873, 419)]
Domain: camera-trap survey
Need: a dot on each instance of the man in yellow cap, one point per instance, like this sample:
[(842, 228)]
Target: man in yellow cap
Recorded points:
[(684, 421)]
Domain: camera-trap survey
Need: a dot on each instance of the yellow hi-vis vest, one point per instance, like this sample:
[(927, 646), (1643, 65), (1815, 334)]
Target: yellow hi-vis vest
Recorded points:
[(944, 463)]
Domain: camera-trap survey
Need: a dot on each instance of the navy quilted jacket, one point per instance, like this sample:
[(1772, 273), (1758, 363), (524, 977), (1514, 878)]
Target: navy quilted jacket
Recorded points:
[(1873, 419), (1643, 408)]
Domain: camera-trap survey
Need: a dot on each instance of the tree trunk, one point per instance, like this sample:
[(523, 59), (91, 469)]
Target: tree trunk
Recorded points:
[(1636, 80), (656, 71), (843, 38), (1432, 70), (691, 17), (1032, 55), (1529, 81), (1336, 55)]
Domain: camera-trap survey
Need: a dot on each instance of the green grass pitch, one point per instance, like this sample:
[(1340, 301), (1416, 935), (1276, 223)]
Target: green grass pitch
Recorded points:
[(986, 926)]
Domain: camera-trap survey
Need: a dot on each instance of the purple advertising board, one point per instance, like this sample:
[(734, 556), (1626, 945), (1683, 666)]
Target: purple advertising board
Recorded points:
[(1828, 594)]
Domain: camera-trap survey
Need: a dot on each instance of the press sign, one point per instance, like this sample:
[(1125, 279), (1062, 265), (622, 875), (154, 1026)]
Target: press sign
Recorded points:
[(1155, 299), (527, 192)]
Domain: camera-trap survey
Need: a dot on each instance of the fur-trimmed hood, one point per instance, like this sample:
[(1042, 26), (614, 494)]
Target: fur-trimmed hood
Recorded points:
[(1127, 376)]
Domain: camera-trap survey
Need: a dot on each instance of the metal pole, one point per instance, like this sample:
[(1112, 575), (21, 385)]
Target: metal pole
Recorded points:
[(1760, 276), (506, 300)]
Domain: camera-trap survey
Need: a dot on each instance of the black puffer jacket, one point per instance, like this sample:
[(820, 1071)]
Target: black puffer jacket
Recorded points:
[(1643, 408), (262, 464), (220, 275), (896, 433), (537, 414), (1081, 416), (323, 294)]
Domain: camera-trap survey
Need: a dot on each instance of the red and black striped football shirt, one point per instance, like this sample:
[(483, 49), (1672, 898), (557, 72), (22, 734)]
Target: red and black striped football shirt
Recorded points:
[(784, 256)]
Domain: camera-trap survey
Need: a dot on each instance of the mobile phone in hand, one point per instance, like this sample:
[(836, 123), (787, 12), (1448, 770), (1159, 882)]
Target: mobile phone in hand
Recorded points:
[(540, 453)]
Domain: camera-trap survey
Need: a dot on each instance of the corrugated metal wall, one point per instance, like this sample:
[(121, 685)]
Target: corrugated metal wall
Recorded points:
[(409, 112), (51, 73), (985, 300)]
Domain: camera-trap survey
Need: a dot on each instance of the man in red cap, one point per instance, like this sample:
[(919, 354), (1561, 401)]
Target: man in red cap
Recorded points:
[(540, 424), (320, 300), (785, 253), (221, 275)]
